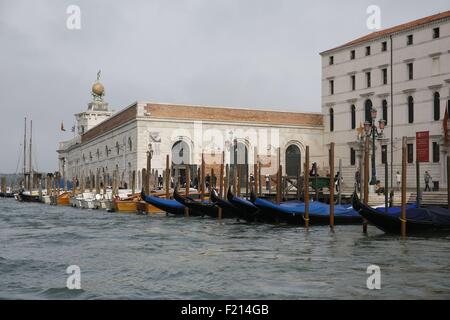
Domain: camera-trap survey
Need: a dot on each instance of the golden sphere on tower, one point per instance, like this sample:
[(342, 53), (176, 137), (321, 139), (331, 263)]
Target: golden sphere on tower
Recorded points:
[(98, 89)]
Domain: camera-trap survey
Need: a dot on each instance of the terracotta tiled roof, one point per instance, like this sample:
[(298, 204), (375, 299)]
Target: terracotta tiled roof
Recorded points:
[(184, 112), (401, 27)]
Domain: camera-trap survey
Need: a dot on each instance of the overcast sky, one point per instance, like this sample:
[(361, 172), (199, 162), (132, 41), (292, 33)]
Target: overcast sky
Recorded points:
[(241, 53)]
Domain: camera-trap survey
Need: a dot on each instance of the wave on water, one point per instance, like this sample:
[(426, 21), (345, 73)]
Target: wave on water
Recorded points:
[(61, 293)]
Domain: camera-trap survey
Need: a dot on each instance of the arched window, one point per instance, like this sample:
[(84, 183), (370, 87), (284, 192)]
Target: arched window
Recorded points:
[(180, 153), (368, 110), (437, 106), (106, 151), (385, 111), (130, 144), (331, 120), (293, 160), (117, 147), (410, 109), (353, 116)]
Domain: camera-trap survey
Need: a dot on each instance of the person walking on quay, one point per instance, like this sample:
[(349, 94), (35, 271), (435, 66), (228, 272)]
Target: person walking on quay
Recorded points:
[(339, 180), (160, 181), (267, 182), (398, 178), (358, 181), (427, 179)]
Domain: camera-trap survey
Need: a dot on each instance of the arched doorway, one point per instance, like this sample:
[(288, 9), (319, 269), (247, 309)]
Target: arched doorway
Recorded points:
[(181, 156), (239, 157), (293, 160)]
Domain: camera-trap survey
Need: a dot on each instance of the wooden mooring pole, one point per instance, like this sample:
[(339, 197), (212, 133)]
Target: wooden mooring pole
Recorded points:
[(227, 180), (331, 161), (306, 187), (404, 172), (366, 179), (167, 177), (219, 212), (448, 183), (202, 179), (279, 177), (187, 186), (418, 191)]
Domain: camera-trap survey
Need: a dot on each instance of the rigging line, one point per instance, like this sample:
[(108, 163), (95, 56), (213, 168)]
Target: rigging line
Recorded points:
[(35, 160), (18, 163)]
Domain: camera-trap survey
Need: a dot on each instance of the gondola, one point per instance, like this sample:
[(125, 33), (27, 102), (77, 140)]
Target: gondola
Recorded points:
[(226, 205), (208, 209), (22, 197), (6, 195), (168, 205), (245, 209), (293, 212), (418, 220)]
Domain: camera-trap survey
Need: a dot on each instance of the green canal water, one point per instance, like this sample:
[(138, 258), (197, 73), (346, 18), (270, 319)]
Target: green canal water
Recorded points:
[(127, 256)]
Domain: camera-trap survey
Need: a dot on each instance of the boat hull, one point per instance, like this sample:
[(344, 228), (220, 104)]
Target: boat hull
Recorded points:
[(28, 198), (391, 224), (126, 206)]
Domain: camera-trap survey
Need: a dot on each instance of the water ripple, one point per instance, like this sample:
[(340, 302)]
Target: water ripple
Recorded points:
[(159, 257)]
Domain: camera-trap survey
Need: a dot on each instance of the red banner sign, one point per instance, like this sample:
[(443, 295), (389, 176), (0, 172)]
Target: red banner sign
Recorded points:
[(423, 146)]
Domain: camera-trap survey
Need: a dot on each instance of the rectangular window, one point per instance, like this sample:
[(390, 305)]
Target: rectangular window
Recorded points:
[(435, 67), (436, 33), (331, 60), (368, 51), (385, 75), (353, 82), (352, 55), (352, 157), (384, 46), (384, 154), (331, 86), (368, 80), (435, 152), (409, 40), (410, 153), (410, 71)]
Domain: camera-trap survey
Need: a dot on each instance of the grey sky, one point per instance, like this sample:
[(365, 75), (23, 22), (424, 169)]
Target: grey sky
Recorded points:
[(242, 53)]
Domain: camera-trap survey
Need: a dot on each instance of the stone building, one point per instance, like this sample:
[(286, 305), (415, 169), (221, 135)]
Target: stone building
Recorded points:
[(108, 143), (356, 77)]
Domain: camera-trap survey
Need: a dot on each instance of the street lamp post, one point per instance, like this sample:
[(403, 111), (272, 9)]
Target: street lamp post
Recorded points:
[(373, 131)]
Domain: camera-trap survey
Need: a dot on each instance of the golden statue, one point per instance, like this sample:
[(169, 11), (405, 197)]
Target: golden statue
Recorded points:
[(98, 91)]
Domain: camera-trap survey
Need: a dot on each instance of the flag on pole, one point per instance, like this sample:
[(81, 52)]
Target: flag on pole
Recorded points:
[(62, 126)]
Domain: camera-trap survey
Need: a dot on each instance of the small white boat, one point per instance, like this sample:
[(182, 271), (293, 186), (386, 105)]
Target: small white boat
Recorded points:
[(88, 200), (46, 199)]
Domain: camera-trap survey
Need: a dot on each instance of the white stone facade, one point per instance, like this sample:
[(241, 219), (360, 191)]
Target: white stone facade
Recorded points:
[(128, 142), (429, 54)]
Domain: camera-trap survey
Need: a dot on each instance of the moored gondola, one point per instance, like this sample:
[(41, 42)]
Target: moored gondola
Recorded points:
[(227, 206), (293, 212), (168, 205), (245, 209), (208, 209), (418, 220)]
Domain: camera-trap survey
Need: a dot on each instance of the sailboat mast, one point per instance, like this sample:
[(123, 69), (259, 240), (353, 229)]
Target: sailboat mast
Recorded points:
[(31, 141), (25, 151)]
